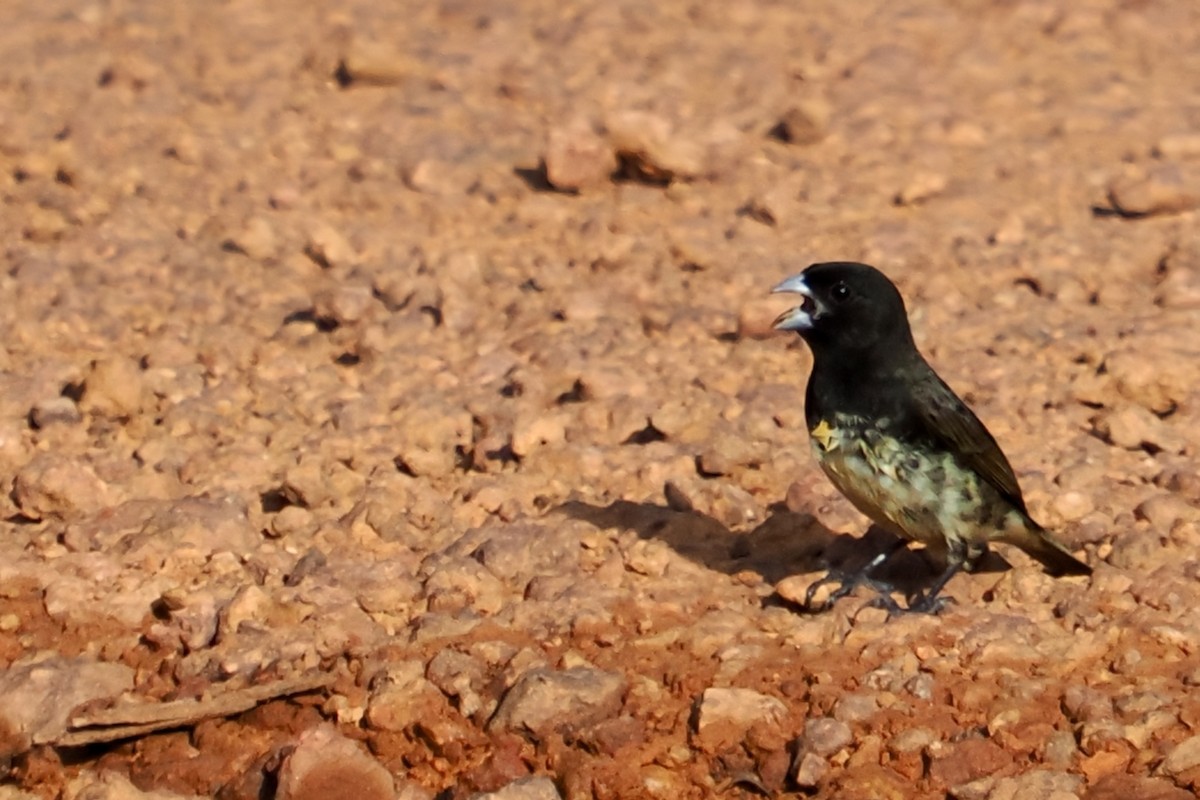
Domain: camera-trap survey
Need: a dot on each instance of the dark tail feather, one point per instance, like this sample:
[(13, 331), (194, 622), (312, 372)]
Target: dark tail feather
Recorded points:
[(1057, 560)]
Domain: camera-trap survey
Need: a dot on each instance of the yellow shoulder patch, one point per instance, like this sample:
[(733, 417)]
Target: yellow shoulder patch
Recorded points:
[(823, 434)]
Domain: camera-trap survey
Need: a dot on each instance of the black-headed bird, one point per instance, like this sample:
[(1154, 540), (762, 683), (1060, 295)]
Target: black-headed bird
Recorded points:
[(896, 440)]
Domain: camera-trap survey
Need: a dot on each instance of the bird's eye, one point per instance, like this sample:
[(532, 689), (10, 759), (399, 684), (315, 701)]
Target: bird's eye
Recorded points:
[(840, 292)]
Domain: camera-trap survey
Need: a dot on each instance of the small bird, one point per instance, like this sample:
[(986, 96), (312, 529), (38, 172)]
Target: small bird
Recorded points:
[(897, 441)]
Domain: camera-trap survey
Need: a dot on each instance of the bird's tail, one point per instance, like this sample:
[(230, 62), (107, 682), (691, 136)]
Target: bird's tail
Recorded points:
[(1037, 542)]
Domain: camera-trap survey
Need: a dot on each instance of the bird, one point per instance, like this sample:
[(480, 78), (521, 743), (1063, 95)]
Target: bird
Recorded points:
[(896, 440)]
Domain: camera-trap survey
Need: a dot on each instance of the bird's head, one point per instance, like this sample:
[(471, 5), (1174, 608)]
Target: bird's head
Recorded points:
[(847, 308)]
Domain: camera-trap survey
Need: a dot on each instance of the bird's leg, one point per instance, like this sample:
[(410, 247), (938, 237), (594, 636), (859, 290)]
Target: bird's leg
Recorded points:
[(927, 602), (849, 581), (962, 555)]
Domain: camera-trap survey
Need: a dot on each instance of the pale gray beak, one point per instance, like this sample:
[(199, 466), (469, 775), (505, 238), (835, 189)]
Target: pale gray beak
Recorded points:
[(801, 317)]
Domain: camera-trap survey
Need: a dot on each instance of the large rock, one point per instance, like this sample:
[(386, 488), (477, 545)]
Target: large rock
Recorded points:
[(1183, 759), (403, 697), (544, 700), (54, 485), (327, 766), (37, 697), (725, 714)]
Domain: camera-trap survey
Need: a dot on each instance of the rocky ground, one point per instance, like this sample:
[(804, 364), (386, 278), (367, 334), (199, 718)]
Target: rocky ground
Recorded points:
[(390, 408)]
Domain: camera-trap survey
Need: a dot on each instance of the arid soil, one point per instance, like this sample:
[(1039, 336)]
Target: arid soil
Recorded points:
[(390, 407)]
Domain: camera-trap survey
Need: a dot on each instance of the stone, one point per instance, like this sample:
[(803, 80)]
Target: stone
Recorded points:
[(1134, 427), (439, 177), (1178, 145), (912, 740), (306, 484), (460, 677), (55, 485), (536, 787), (328, 248), (1071, 506), (1166, 189), (1038, 784), (345, 305), (372, 62), (856, 707), (115, 387), (1146, 383), (956, 763), (293, 521), (325, 765), (1182, 758), (826, 736), (921, 187), (1102, 763), (1180, 289), (873, 781), (1135, 787), (464, 583), (1086, 704), (725, 715), (1012, 231), (204, 525), (54, 411), (611, 737), (37, 697), (408, 790), (794, 588), (661, 783), (111, 786), (257, 239), (577, 157), (810, 769), (1163, 510), (538, 431), (401, 698), (1060, 749), (804, 123), (544, 701), (429, 437), (45, 224), (648, 146), (778, 205)]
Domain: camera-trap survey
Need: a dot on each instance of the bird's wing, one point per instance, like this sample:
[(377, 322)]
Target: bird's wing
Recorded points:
[(948, 420)]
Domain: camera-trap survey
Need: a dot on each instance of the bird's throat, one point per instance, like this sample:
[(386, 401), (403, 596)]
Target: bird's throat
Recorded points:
[(856, 383)]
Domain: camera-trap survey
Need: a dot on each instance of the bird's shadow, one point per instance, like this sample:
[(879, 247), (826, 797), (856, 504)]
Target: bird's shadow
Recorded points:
[(785, 543)]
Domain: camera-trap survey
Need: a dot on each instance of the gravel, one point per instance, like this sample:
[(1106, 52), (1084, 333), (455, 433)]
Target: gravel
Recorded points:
[(428, 351)]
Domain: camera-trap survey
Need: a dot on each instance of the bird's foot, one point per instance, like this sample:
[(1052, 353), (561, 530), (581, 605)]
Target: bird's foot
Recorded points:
[(921, 604), (847, 583), (888, 603), (929, 604), (845, 586)]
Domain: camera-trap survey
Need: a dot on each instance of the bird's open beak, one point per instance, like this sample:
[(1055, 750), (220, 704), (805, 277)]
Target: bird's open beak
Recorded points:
[(799, 318)]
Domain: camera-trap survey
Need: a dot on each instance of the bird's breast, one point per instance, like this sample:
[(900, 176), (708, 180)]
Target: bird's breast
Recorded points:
[(909, 489)]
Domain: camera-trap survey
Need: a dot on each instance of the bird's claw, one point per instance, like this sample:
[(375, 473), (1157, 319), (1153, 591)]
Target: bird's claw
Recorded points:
[(925, 604), (887, 603), (921, 604), (847, 583)]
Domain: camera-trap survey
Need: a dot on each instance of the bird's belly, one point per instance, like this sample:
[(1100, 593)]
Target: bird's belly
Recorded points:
[(920, 495)]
